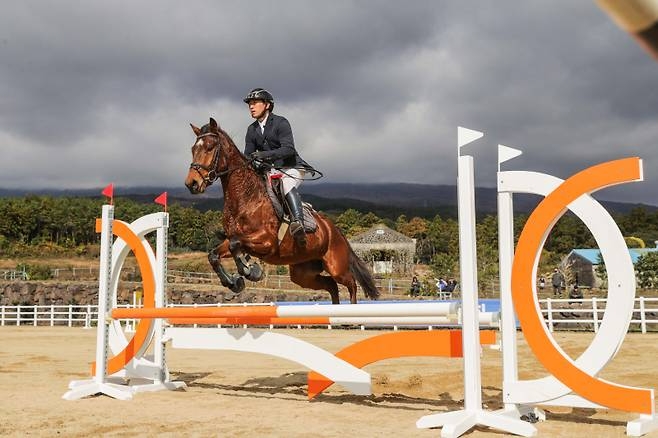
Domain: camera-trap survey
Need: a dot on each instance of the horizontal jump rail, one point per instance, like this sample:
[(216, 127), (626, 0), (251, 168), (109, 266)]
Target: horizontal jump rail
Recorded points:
[(486, 319), (268, 312), (374, 320)]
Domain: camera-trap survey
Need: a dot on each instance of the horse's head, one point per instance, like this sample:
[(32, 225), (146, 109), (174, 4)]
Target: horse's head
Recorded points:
[(206, 152)]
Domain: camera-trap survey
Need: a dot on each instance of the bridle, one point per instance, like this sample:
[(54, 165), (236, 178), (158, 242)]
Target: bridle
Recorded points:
[(211, 171), (212, 174)]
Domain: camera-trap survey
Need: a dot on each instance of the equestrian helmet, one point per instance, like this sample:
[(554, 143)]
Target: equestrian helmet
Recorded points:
[(259, 94)]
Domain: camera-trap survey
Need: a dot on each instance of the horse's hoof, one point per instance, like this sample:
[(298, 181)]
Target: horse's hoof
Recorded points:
[(238, 284), (228, 296), (255, 273)]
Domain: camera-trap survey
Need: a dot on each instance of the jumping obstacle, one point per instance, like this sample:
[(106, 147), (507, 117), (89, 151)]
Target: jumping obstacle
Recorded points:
[(125, 359), (570, 382)]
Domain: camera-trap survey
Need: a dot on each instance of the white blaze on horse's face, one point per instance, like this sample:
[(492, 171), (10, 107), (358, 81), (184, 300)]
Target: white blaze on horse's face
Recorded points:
[(202, 161)]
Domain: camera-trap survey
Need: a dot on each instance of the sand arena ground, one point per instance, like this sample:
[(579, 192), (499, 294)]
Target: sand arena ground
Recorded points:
[(234, 394)]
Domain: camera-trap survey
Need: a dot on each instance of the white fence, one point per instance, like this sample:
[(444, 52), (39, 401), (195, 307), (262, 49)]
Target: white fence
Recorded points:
[(72, 316), (11, 275), (586, 314), (562, 314)]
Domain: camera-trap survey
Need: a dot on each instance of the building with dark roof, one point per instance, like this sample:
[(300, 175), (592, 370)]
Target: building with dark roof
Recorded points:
[(582, 263), (385, 249)]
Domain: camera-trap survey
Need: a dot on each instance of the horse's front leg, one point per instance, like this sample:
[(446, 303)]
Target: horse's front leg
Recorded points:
[(251, 271), (234, 282)]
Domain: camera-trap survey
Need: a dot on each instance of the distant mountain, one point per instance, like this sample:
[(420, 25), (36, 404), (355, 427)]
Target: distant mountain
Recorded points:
[(425, 196), (387, 200)]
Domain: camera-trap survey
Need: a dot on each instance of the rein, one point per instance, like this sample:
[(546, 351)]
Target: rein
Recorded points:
[(212, 174)]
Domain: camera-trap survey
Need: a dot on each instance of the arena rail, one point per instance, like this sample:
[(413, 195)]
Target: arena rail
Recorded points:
[(560, 314)]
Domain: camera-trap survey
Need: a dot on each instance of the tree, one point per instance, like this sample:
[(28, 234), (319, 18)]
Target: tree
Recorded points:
[(444, 266), (646, 270), (601, 270), (487, 250), (634, 242), (416, 228), (348, 222)]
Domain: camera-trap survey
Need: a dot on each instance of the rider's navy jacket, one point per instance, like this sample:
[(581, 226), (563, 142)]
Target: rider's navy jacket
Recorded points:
[(276, 141)]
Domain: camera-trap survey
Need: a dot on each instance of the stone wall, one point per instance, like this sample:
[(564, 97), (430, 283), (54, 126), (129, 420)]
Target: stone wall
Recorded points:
[(83, 293)]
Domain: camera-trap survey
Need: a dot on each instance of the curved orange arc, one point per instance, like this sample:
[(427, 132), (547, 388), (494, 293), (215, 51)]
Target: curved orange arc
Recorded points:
[(143, 329), (530, 242), (441, 343)]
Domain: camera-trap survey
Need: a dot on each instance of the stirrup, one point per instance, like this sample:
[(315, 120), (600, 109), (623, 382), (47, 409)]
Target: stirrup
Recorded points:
[(298, 233)]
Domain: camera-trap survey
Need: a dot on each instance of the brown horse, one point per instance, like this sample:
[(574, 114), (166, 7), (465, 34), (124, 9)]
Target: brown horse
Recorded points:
[(251, 226)]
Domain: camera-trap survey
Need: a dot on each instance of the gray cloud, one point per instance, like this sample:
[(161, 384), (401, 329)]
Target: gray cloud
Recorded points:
[(93, 92)]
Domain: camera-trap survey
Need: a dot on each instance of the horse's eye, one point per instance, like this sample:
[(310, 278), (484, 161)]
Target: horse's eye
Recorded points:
[(209, 145)]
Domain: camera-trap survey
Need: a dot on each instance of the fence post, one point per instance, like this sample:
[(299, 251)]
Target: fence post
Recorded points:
[(549, 314), (643, 316), (34, 315), (595, 315), (88, 317), (70, 315), (2, 316), (18, 315), (52, 315)]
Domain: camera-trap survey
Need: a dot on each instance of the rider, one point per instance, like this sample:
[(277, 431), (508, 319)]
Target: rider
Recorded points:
[(269, 140)]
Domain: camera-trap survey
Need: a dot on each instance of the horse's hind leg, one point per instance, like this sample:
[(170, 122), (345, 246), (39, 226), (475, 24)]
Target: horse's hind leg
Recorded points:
[(339, 270), (234, 282), (307, 275), (347, 280)]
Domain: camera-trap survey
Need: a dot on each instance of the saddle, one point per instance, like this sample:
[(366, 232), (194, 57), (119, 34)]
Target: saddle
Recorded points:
[(275, 193)]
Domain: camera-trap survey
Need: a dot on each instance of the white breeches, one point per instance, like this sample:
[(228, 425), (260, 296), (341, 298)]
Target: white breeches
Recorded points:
[(291, 178)]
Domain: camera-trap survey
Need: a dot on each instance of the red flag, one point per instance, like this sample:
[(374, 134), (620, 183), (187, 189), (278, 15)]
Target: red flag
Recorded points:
[(109, 192), (162, 200)]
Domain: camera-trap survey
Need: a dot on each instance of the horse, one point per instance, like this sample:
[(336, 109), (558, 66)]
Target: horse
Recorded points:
[(251, 226)]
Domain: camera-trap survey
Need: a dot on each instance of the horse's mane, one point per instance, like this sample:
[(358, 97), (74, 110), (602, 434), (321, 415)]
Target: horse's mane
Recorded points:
[(248, 189)]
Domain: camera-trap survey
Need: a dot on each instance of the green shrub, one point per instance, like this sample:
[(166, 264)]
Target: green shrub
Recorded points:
[(36, 272)]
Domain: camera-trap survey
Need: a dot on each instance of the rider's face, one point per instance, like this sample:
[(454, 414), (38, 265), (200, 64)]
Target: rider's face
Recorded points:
[(257, 108)]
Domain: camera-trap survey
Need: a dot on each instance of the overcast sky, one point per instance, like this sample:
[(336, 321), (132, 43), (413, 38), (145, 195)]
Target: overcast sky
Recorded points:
[(95, 92)]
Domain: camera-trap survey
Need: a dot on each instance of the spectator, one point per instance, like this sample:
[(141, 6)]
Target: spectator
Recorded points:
[(542, 283), (575, 294), (441, 284), (452, 284), (414, 291), (557, 280)]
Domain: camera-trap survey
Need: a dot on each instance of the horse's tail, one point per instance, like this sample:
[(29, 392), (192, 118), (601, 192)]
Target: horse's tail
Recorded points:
[(359, 269)]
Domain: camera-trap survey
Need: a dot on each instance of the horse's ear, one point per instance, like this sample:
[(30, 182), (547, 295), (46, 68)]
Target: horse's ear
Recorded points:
[(213, 124), (196, 130)]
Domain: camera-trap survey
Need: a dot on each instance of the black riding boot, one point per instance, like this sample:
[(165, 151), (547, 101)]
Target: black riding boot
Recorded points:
[(294, 202)]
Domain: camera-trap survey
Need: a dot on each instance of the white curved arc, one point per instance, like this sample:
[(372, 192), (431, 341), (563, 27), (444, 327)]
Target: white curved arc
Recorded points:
[(621, 291), (141, 227), (274, 344)]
